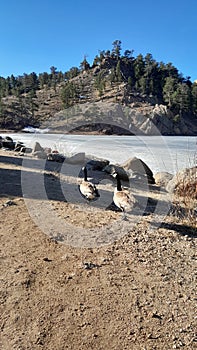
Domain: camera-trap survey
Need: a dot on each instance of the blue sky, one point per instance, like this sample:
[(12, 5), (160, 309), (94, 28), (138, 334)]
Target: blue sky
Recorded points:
[(38, 34)]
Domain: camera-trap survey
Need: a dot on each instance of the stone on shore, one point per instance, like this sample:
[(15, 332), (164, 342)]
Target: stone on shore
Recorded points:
[(78, 158), (97, 164), (162, 178), (138, 166), (37, 148)]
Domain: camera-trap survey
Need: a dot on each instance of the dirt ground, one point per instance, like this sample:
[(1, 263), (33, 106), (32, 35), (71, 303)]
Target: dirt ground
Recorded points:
[(135, 291)]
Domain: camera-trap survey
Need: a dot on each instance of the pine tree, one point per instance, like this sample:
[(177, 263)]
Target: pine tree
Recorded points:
[(116, 48), (194, 98), (182, 98), (139, 66), (168, 90), (118, 72)]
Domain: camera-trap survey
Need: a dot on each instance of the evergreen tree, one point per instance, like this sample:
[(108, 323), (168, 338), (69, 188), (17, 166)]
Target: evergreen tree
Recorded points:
[(44, 80), (53, 77), (96, 61), (101, 55), (194, 98), (2, 108), (182, 98), (99, 83), (72, 73), (128, 53), (116, 48), (118, 72), (31, 103), (84, 65), (130, 84), (68, 94), (150, 73), (168, 90), (139, 66)]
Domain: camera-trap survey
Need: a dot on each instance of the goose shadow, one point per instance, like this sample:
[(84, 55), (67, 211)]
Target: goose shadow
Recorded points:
[(41, 180), (46, 180)]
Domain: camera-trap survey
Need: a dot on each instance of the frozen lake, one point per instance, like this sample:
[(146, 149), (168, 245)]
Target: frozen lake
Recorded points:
[(160, 153)]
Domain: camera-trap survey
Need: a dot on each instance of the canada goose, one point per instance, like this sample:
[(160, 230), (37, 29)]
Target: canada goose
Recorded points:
[(122, 198), (87, 189)]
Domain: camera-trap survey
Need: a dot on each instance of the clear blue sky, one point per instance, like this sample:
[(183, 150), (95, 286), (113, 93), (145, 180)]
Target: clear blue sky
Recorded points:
[(38, 34)]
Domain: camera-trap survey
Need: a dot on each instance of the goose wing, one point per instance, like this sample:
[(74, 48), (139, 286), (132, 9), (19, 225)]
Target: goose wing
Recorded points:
[(124, 200), (88, 190)]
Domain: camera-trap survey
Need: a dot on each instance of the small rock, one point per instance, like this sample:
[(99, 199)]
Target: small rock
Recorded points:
[(55, 157), (9, 203), (47, 259), (162, 178), (89, 266)]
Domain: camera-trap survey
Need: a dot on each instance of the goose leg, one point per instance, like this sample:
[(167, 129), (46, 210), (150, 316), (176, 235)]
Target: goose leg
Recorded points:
[(124, 215)]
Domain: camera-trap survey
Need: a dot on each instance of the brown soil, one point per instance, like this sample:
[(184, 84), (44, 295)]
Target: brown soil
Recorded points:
[(137, 292)]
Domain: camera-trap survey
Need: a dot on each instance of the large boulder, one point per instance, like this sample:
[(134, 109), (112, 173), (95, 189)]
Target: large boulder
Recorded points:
[(78, 158), (138, 166), (97, 164), (162, 178), (38, 151), (37, 148), (184, 183)]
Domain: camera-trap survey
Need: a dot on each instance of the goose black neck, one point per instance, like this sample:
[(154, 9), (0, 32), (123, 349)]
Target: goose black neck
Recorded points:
[(85, 174), (119, 187)]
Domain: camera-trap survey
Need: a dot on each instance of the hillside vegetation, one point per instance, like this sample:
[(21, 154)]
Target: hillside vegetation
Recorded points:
[(148, 88)]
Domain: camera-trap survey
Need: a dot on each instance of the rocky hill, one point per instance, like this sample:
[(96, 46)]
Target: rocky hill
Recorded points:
[(112, 112), (91, 102)]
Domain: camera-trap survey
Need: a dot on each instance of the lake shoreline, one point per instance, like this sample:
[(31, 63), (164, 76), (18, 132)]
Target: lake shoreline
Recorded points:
[(91, 133), (160, 153)]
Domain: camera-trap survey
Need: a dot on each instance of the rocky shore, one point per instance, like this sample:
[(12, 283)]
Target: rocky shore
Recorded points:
[(74, 275)]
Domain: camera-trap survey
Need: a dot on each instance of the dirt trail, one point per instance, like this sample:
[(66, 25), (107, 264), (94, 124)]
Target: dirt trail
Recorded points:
[(136, 293)]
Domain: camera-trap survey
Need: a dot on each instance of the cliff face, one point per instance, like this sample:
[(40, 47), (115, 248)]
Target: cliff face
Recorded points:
[(106, 117)]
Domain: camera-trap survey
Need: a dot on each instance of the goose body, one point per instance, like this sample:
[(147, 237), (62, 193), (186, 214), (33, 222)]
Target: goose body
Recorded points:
[(87, 189), (122, 198)]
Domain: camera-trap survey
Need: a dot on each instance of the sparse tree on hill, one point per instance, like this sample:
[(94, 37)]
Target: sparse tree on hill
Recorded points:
[(116, 48), (100, 83), (68, 94), (84, 65)]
